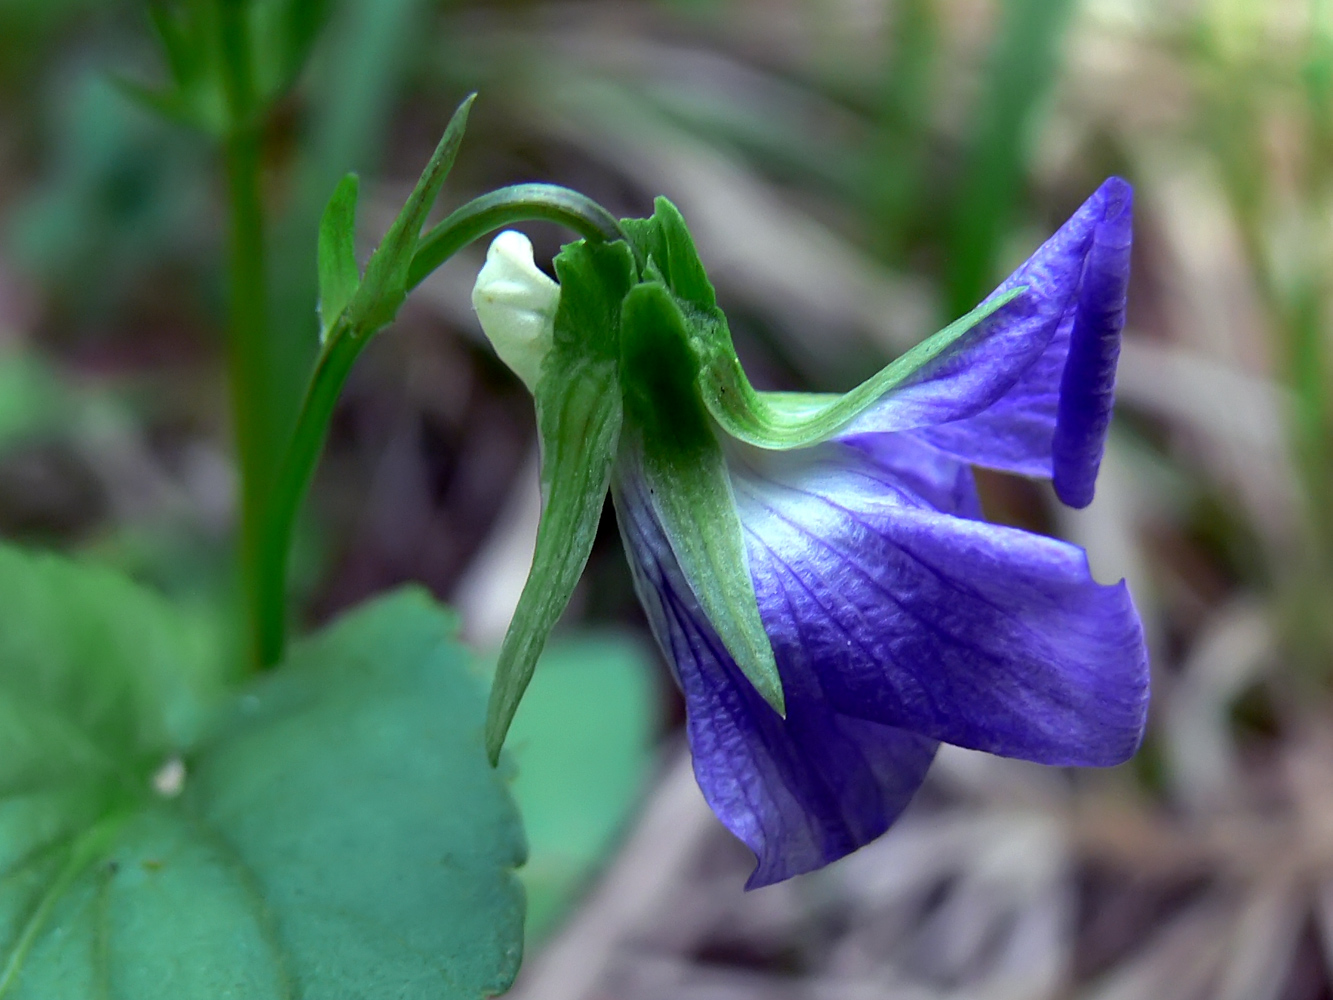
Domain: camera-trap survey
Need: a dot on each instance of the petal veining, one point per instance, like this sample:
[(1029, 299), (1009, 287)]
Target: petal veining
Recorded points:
[(800, 791), (970, 633)]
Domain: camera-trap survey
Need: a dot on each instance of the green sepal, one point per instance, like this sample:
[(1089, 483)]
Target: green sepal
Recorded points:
[(668, 431), (664, 239), (338, 275), (772, 420), (384, 287), (785, 420), (579, 417)]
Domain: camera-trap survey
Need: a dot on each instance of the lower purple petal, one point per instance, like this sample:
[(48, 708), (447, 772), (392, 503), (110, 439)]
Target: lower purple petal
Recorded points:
[(970, 633), (800, 791)]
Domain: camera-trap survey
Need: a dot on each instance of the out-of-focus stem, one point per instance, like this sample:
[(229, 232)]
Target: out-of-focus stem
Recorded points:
[(248, 345), (292, 482)]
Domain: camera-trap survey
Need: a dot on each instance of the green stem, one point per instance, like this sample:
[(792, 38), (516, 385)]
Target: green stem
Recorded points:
[(248, 344), (507, 206), (293, 481), (519, 203)]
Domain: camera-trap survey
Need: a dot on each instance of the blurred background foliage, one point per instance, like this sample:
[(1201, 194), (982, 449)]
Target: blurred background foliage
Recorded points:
[(856, 172)]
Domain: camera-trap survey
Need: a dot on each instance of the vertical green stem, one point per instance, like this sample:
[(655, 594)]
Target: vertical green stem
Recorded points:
[(248, 345), (246, 357), (291, 484)]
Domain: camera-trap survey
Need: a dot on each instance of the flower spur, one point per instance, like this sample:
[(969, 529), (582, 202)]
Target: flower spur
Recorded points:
[(815, 567)]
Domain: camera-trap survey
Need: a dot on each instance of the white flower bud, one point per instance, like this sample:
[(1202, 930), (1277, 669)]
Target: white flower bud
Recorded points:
[(516, 304)]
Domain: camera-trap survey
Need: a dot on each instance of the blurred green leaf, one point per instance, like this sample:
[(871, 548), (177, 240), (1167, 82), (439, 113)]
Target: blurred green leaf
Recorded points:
[(1023, 66), (896, 177), (120, 192), (181, 41), (33, 400), (284, 32), (302, 21), (582, 740), (186, 30), (333, 832)]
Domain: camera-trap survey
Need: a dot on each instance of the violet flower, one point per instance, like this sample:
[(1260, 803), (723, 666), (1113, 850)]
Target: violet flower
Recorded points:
[(815, 568)]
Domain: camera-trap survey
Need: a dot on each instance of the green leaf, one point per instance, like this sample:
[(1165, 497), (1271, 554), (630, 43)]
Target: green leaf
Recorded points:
[(94, 665), (282, 34), (580, 416), (338, 276), (333, 832), (384, 287), (579, 419), (582, 745), (668, 439)]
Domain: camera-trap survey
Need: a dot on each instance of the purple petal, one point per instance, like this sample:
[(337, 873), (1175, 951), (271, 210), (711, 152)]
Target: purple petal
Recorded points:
[(905, 467), (1087, 387), (970, 633), (800, 791), (1031, 392)]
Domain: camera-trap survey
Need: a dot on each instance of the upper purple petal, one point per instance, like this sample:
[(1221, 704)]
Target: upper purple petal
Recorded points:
[(1087, 386), (970, 633), (800, 791), (1031, 391)]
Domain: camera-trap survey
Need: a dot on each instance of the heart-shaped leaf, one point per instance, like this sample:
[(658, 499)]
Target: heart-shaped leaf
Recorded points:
[(582, 744), (334, 831)]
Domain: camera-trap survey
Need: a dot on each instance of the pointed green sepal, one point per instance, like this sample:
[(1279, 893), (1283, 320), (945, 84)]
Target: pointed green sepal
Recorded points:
[(384, 286), (338, 276), (772, 420), (669, 436), (784, 420), (579, 418), (665, 239)]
